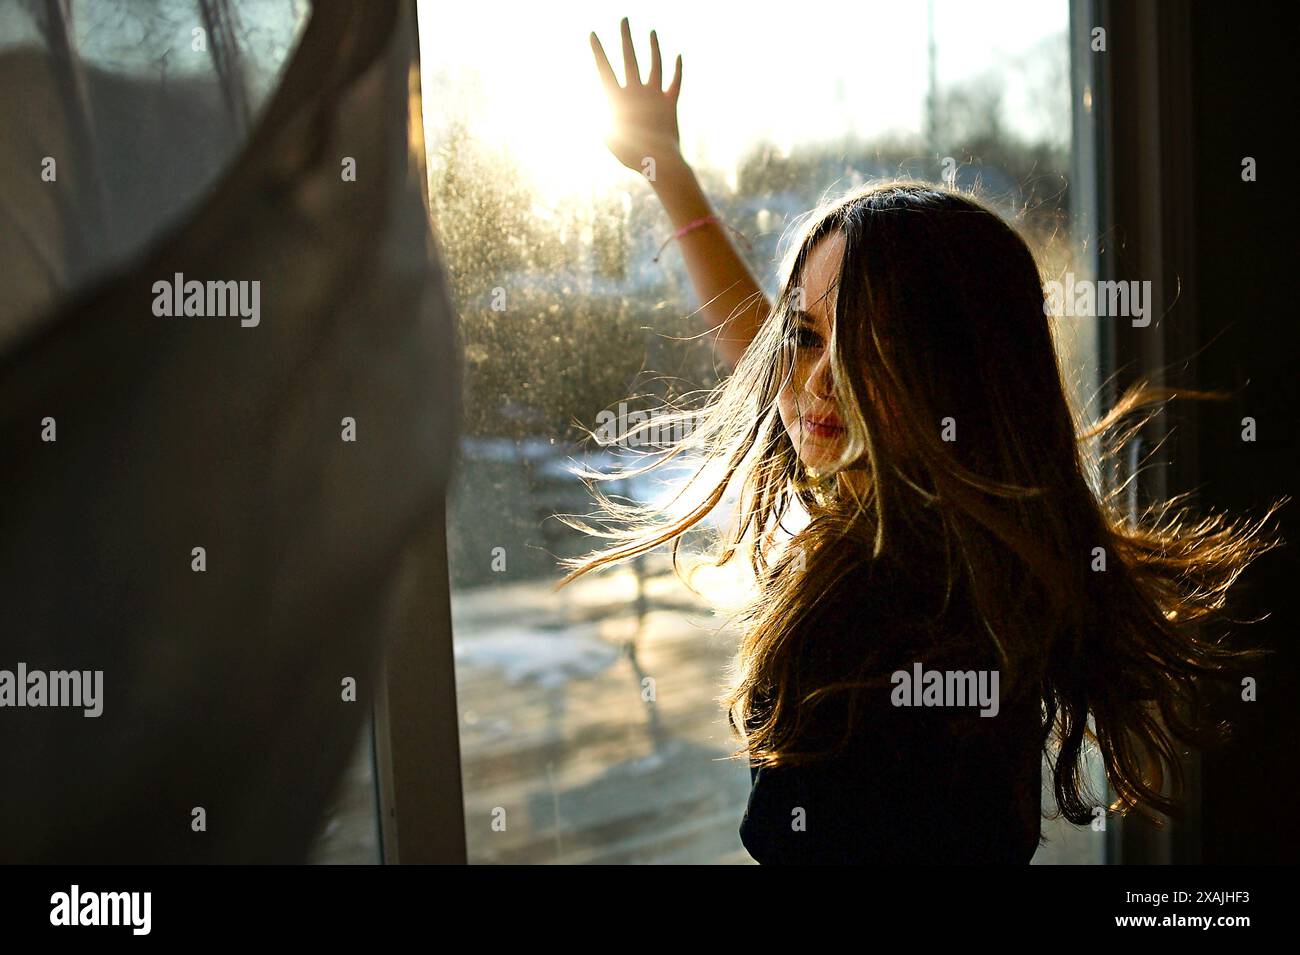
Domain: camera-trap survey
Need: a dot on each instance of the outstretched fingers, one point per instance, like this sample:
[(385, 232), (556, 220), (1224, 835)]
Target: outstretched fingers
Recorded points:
[(607, 77), (655, 82), (630, 67)]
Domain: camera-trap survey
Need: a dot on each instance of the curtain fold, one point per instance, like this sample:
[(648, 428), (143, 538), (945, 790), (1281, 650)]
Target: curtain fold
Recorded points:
[(304, 453)]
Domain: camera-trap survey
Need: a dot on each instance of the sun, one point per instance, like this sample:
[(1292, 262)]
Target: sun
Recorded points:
[(561, 152), (553, 122)]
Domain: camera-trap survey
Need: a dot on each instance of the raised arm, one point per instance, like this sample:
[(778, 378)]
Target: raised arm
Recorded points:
[(732, 304)]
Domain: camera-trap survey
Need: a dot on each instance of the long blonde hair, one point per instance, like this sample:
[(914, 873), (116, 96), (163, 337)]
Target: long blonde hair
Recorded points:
[(940, 307)]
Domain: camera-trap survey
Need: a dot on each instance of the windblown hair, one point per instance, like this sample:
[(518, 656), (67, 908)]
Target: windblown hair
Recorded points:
[(939, 321)]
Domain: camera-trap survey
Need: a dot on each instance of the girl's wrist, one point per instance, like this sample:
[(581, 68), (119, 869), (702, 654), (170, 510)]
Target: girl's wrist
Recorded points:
[(679, 193), (669, 170)]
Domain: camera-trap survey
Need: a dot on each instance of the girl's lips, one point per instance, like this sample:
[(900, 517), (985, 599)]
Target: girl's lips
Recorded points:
[(821, 429)]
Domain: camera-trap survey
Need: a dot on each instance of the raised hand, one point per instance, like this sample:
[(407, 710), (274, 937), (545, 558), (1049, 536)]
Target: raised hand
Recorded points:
[(645, 116)]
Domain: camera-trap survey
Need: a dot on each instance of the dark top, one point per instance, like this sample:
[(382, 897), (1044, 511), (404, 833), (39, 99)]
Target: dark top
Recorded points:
[(917, 784)]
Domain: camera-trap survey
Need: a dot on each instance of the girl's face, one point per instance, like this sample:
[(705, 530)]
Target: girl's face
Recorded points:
[(806, 403)]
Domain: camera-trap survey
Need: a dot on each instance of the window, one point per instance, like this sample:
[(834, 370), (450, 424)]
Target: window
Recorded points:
[(588, 726)]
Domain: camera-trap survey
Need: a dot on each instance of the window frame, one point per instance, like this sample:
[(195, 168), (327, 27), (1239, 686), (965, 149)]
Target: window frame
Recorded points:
[(1140, 114), (416, 724), (1143, 109)]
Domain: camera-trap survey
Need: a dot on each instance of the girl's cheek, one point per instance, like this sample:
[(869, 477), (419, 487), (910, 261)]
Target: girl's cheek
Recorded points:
[(798, 376)]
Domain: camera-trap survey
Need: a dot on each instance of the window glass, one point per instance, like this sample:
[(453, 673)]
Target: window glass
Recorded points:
[(589, 727)]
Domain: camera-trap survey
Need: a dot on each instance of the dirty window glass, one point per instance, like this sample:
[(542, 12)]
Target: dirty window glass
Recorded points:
[(550, 242)]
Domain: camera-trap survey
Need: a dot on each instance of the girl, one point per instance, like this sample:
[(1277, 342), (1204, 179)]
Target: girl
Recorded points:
[(902, 401)]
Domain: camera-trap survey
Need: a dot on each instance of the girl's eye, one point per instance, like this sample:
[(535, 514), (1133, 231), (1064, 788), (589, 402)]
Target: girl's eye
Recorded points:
[(806, 338)]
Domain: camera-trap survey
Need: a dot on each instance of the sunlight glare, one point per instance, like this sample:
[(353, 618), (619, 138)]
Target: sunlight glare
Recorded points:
[(552, 117)]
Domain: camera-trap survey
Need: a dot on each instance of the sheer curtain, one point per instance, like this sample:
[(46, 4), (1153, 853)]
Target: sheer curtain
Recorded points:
[(210, 511)]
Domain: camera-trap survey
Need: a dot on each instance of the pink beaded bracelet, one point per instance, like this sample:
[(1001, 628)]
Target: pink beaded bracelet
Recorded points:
[(695, 225)]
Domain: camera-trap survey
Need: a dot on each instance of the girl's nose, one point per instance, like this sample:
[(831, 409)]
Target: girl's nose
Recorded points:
[(821, 383)]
